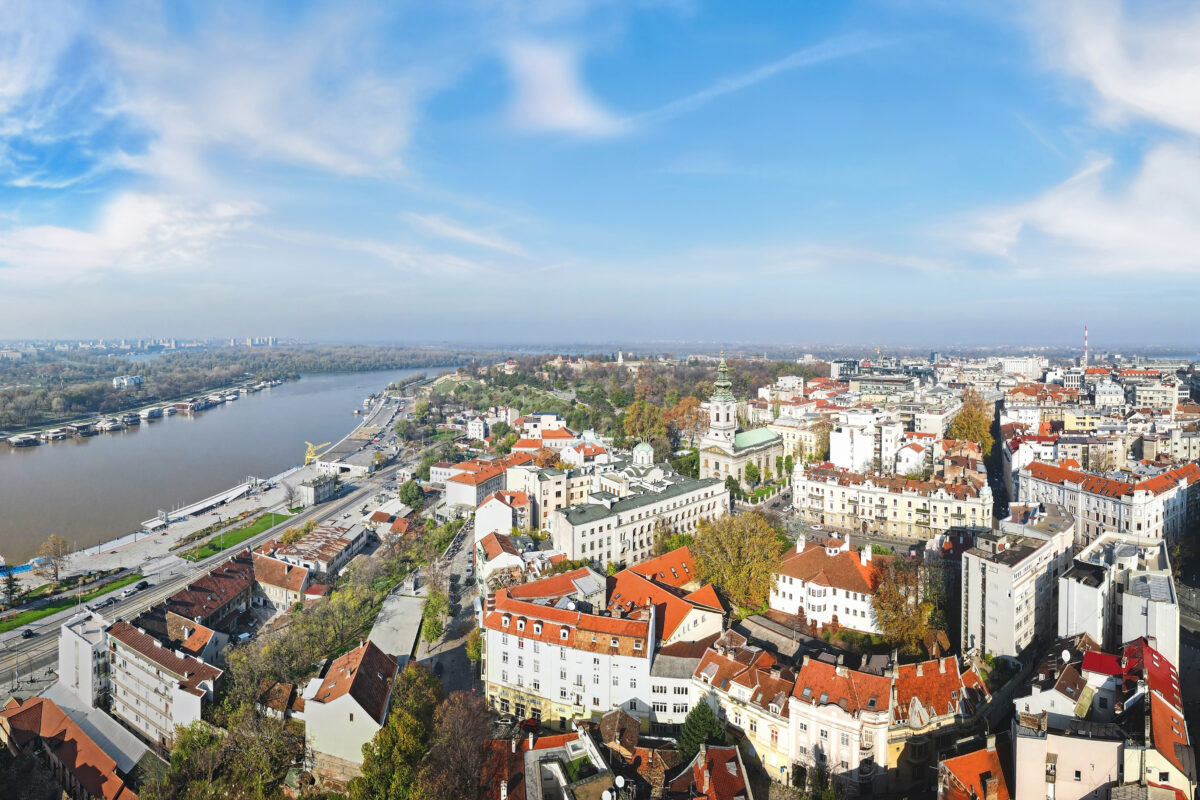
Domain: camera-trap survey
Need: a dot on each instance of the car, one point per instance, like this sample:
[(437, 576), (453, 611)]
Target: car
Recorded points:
[(142, 585), (129, 592), (507, 721), (28, 633), (815, 528), (531, 725)]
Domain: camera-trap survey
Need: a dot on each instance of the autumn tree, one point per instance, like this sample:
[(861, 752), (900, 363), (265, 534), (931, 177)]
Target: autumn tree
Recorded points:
[(901, 613), (433, 616), (643, 420), (53, 553), (686, 419), (821, 449), (475, 646), (391, 759), (973, 422), (454, 764), (701, 726), (545, 458), (738, 555)]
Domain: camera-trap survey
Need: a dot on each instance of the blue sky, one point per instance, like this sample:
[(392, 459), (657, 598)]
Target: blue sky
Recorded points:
[(886, 172)]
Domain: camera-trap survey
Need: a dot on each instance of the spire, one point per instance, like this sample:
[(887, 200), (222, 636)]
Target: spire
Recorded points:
[(722, 385)]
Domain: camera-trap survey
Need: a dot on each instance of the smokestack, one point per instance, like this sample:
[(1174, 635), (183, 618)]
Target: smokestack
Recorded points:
[(1085, 347), (503, 790)]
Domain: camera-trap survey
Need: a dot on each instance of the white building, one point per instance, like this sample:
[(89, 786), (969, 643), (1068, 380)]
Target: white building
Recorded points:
[(502, 511), (827, 583), (1009, 581), (154, 688), (346, 707), (82, 658), (477, 428)]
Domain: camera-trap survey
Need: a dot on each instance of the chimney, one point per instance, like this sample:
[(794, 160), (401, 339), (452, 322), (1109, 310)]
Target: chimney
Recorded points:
[(920, 669), (531, 740), (864, 555), (800, 543), (991, 788), (991, 742), (942, 666), (514, 744), (503, 790)]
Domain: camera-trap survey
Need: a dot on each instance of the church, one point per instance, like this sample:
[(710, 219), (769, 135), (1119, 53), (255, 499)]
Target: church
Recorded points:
[(725, 450)]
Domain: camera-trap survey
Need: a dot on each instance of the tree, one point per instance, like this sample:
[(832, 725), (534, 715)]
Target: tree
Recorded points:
[(643, 420), (733, 487), (53, 553), (973, 422), (821, 450), (752, 474), (701, 726), (411, 494), (289, 495), (500, 430), (12, 588), (454, 765), (901, 614), (433, 617), (686, 418), (392, 758), (789, 464), (738, 555), (545, 458), (475, 646)]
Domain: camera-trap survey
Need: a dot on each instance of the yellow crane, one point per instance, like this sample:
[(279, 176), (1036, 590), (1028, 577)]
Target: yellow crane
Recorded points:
[(310, 455)]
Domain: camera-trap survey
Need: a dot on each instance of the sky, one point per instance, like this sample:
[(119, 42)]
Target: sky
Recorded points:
[(884, 172)]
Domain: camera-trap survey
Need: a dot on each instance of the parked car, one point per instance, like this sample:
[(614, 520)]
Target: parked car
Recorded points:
[(28, 633), (129, 591), (142, 585)]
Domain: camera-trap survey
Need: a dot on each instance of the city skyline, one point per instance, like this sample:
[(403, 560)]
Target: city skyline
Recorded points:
[(870, 173)]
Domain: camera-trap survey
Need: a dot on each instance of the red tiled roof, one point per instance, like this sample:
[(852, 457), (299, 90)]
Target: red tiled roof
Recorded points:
[(553, 586), (715, 773), (969, 772), (854, 691), (843, 571), (510, 499), (527, 444), (939, 689), (675, 568), (557, 433), (495, 544), (38, 717), (568, 628), (274, 572), (192, 671), (628, 590), (493, 469), (366, 674), (1169, 732), (380, 516)]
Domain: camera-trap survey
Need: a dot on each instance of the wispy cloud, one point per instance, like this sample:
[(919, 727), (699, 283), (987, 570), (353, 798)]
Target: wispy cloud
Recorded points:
[(829, 50), (444, 228), (549, 94)]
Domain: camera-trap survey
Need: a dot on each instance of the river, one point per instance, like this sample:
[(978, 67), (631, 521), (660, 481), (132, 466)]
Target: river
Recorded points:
[(91, 490)]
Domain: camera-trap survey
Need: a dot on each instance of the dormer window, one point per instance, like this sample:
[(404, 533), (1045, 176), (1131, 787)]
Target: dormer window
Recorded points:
[(615, 642), (504, 620), (807, 693), (537, 627), (637, 645), (520, 624), (562, 633)]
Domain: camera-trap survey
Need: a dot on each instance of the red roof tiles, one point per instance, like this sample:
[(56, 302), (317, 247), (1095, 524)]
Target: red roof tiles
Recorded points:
[(365, 673)]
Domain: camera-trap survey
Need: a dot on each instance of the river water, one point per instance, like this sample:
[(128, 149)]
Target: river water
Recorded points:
[(95, 489)]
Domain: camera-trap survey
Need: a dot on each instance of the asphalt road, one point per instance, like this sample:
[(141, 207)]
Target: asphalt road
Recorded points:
[(25, 655), (449, 654)]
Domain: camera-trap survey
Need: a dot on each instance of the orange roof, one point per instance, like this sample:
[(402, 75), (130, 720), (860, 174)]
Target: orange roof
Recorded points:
[(510, 499), (545, 623), (1168, 732), (492, 470), (38, 717), (938, 688), (274, 572), (191, 671), (854, 691), (1094, 484), (557, 433), (380, 516), (527, 444), (365, 673), (675, 568), (843, 571), (495, 544), (725, 778), (628, 590), (732, 660), (967, 774), (551, 587)]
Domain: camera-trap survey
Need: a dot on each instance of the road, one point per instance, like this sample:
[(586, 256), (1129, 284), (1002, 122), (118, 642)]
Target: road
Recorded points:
[(449, 654), (25, 655)]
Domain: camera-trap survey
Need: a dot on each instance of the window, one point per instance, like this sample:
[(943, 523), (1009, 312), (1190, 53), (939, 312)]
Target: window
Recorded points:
[(616, 680), (845, 740), (660, 708), (824, 733), (1163, 777), (803, 749), (1078, 775), (774, 736), (753, 725), (803, 727), (681, 690), (657, 689)]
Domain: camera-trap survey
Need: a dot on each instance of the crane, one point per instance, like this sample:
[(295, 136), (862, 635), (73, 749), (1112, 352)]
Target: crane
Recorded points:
[(310, 455)]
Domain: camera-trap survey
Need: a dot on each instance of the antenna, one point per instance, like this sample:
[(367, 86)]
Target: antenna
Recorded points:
[(1085, 347)]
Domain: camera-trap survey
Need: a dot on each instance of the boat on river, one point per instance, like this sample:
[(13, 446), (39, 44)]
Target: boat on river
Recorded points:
[(109, 424), (54, 434), (23, 440)]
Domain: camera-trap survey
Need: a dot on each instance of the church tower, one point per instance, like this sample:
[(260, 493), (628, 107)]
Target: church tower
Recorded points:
[(722, 408)]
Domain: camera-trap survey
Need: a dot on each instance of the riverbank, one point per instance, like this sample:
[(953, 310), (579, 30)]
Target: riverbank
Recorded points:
[(101, 494)]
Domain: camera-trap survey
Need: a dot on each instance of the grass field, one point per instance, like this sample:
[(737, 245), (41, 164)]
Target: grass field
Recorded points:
[(234, 537), (26, 617)]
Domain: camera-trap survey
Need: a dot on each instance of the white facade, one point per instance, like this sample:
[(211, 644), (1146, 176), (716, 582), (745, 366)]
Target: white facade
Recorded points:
[(827, 582), (477, 428), (82, 658)]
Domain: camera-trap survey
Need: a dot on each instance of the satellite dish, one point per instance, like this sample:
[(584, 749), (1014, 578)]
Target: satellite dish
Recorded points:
[(620, 781), (606, 794), (1066, 656)]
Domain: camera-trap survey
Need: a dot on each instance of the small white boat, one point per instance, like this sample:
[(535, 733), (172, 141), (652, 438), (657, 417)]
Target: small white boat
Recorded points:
[(54, 435), (109, 424)]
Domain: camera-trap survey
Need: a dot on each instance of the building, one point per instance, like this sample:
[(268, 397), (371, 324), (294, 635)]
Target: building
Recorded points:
[(748, 689), (1160, 507), (155, 688), (978, 775), (535, 767), (1010, 580), (501, 512), (1077, 761), (716, 773), (726, 451), (326, 549), (216, 599), (496, 553), (317, 489), (612, 528), (828, 584), (474, 481), (278, 584), (680, 615), (83, 658), (477, 429), (1119, 589), (345, 708), (81, 767), (892, 505)]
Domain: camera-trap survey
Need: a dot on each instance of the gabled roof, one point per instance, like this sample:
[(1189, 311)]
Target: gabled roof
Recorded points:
[(365, 673), (38, 717), (938, 689), (274, 572), (675, 568), (497, 544), (970, 772), (628, 590), (191, 671), (1170, 736), (820, 683), (716, 773), (731, 661), (843, 571)]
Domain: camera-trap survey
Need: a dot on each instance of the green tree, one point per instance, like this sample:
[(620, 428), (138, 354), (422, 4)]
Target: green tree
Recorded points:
[(738, 555), (752, 474), (391, 759), (411, 494), (12, 588), (789, 464), (700, 727), (733, 487), (500, 430), (433, 617), (974, 422), (475, 646)]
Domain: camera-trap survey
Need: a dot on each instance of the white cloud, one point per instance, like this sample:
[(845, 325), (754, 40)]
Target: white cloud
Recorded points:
[(449, 229), (1142, 65), (549, 94), (135, 233), (1094, 223)]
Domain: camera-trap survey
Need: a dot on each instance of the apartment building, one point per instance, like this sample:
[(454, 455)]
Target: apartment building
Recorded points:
[(216, 599), (83, 658), (748, 688), (1010, 578), (1159, 507), (978, 775), (155, 688), (502, 511), (827, 583), (277, 583), (326, 549), (1120, 588), (866, 502), (474, 481)]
